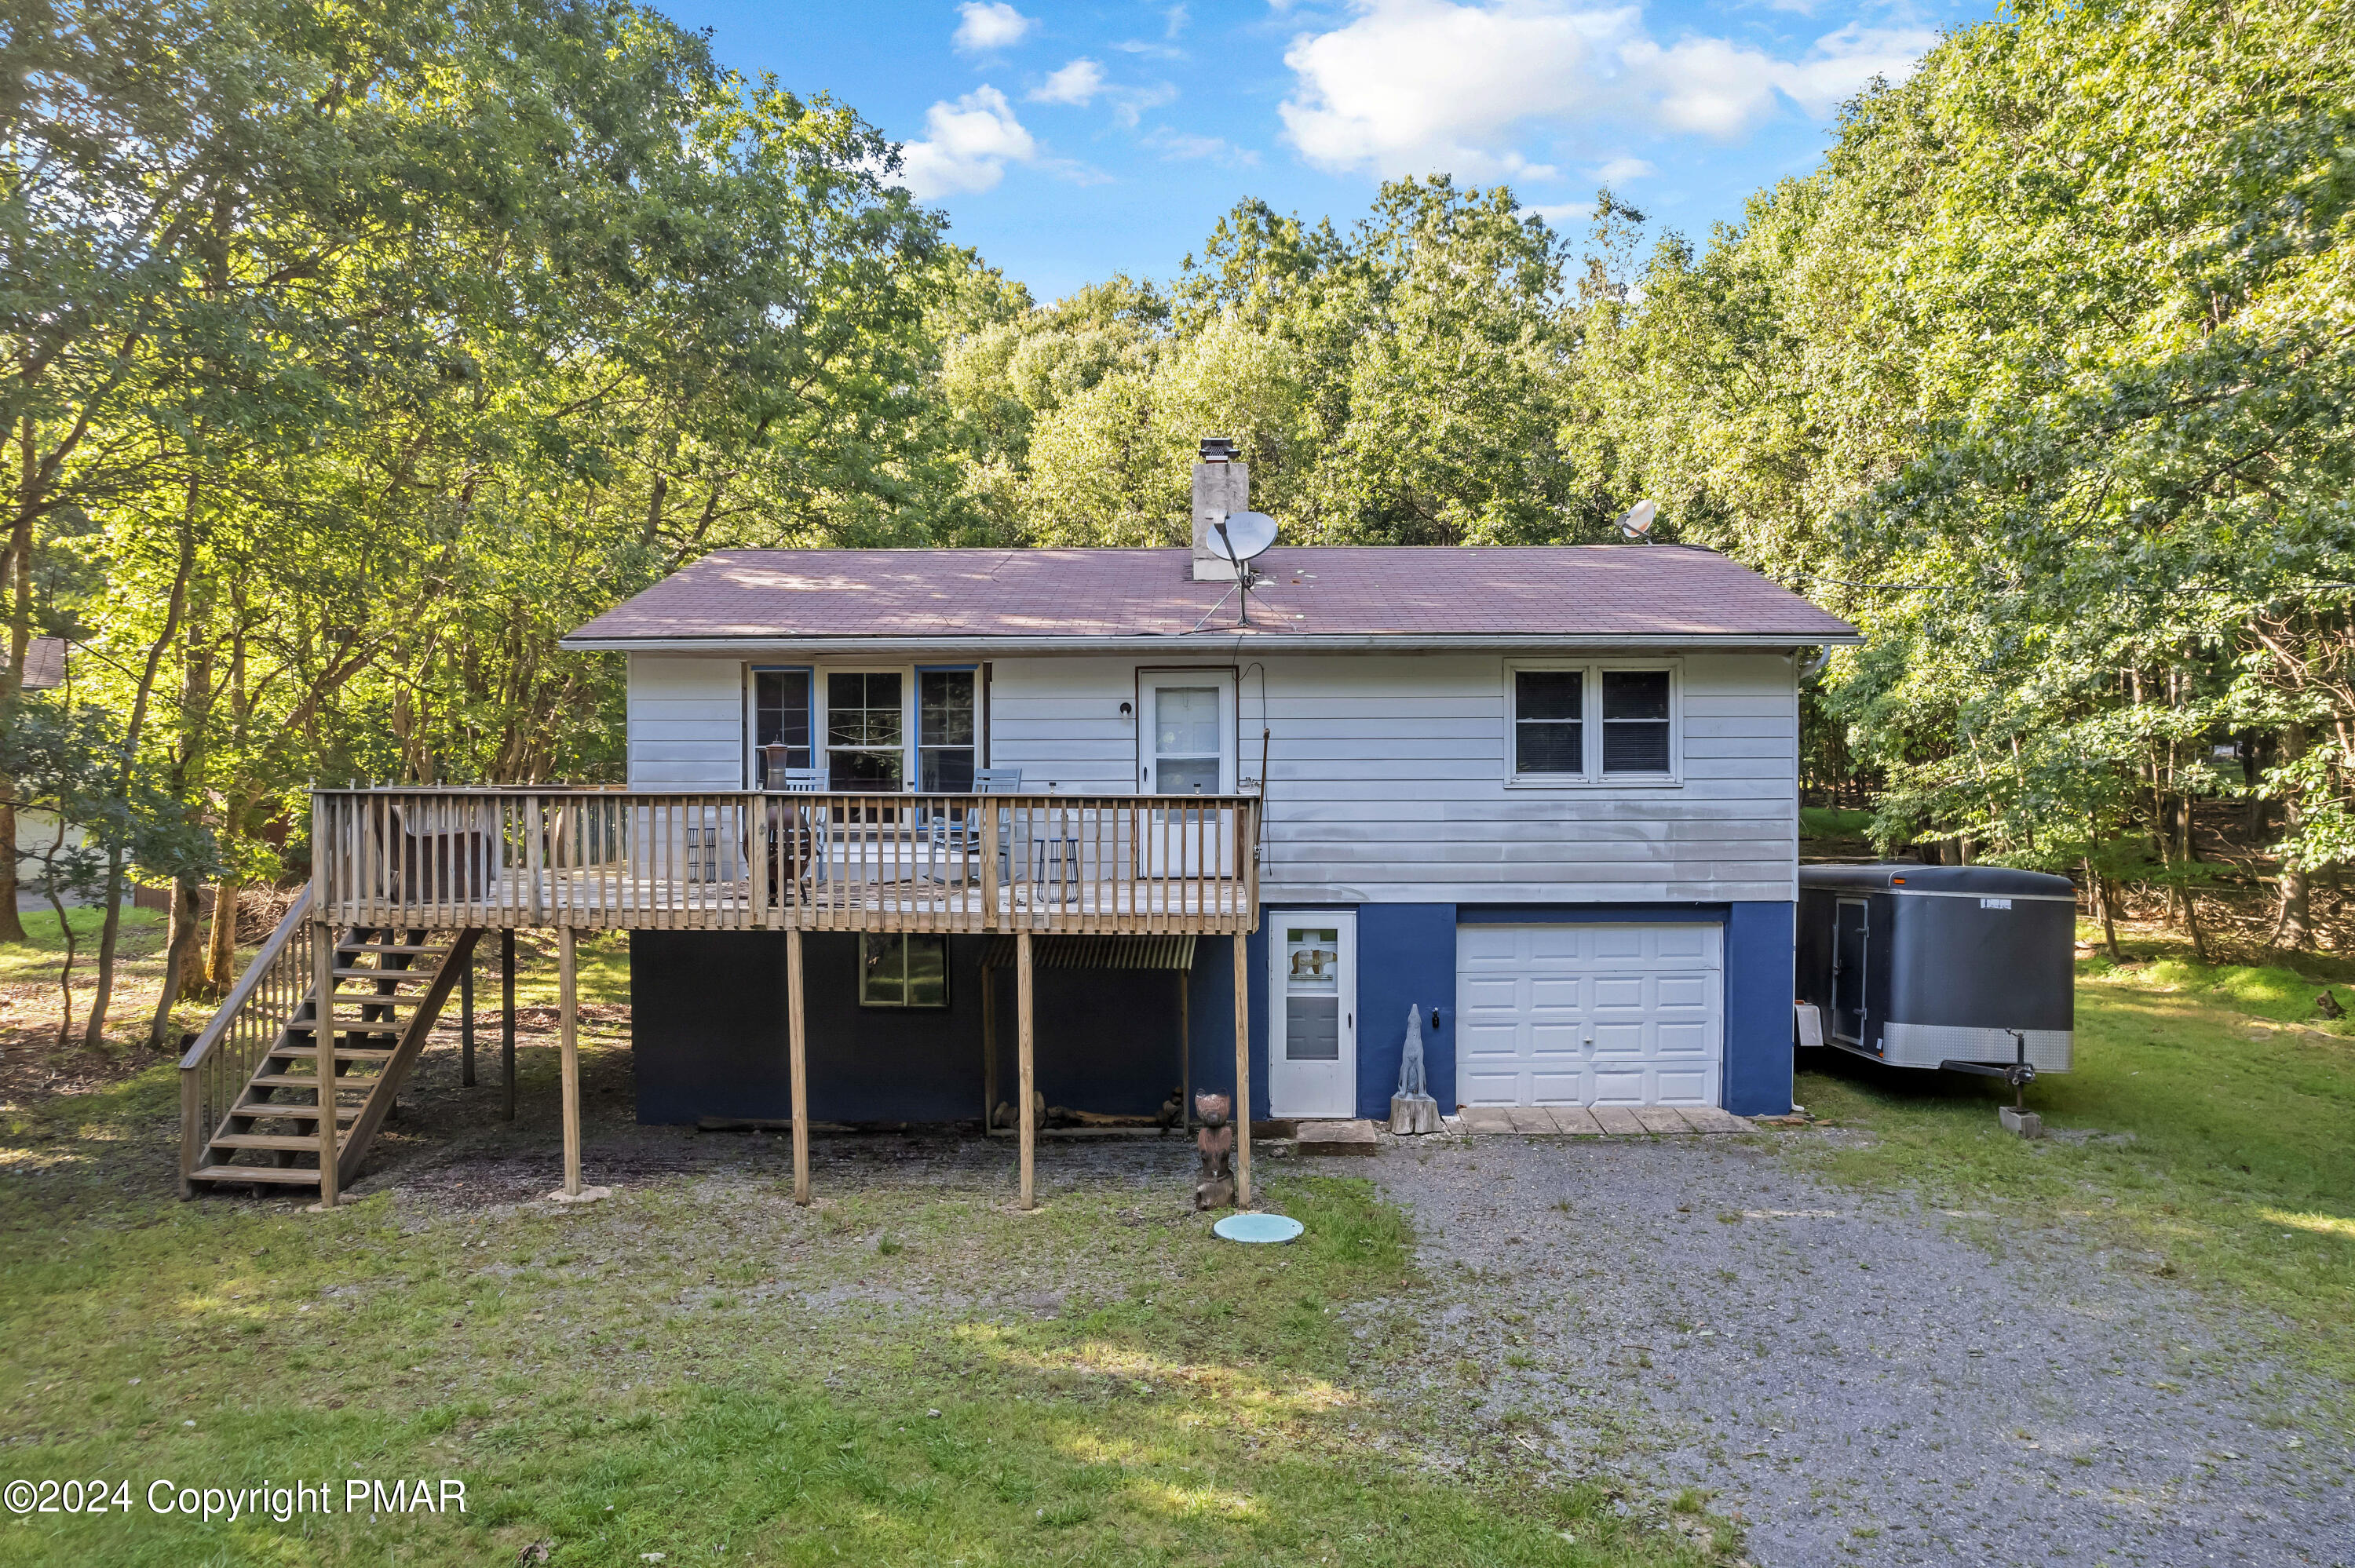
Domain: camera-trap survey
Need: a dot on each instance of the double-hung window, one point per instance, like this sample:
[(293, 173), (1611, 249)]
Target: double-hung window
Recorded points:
[(780, 718), (1636, 722), (945, 731), (1591, 724), (865, 730), (1548, 724)]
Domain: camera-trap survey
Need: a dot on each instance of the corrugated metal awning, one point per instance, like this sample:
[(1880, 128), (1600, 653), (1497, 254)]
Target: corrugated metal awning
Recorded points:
[(1095, 953)]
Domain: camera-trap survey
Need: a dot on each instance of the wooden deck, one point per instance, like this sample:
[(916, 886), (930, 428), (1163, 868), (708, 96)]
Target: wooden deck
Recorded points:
[(610, 859), (402, 880)]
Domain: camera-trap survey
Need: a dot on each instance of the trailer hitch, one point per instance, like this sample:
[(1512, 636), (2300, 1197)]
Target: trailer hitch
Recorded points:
[(2018, 1074)]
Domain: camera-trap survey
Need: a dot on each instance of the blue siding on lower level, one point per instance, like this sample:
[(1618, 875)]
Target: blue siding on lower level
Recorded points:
[(1760, 978), (710, 1033)]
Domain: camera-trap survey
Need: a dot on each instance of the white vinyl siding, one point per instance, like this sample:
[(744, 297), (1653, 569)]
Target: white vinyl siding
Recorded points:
[(686, 722), (1388, 773)]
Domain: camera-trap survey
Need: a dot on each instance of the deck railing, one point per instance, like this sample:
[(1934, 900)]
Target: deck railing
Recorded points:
[(613, 859), (216, 1065)]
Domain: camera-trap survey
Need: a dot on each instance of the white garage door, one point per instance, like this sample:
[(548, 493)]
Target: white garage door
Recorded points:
[(1587, 1016)]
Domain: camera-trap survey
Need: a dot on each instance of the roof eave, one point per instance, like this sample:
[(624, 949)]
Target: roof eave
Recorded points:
[(1227, 640)]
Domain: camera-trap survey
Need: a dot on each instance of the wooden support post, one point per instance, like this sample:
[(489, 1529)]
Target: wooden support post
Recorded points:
[(323, 1042), (467, 1024), (1184, 1057), (568, 1043), (508, 1016), (1024, 1071), (1242, 1071), (988, 1047), (797, 1053)]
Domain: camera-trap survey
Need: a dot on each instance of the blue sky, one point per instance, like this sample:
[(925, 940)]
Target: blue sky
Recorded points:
[(1069, 141)]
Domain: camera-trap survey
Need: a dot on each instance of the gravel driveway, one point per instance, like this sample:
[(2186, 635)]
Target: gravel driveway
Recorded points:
[(1853, 1376)]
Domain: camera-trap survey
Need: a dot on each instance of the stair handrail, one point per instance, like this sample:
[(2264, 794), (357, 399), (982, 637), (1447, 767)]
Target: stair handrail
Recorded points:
[(284, 956)]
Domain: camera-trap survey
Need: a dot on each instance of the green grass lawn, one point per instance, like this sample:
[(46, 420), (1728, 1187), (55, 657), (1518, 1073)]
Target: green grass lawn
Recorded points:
[(2225, 1148), (1832, 823), (36, 957), (697, 1368)]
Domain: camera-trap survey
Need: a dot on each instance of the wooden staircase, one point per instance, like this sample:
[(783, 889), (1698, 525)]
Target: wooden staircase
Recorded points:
[(390, 988)]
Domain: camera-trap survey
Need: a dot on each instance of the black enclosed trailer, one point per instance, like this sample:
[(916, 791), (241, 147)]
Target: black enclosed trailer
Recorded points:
[(1922, 966)]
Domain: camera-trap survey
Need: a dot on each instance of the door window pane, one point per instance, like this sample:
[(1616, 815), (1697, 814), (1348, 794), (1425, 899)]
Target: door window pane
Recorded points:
[(864, 730), (1312, 1029), (780, 716), (1185, 750), (1636, 721), (1549, 736), (1312, 1002), (945, 730)]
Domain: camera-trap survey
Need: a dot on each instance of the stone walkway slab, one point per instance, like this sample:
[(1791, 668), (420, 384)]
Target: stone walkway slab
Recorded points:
[(1336, 1137), (1595, 1121)]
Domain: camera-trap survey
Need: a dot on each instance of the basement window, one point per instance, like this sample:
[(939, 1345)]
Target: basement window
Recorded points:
[(903, 969)]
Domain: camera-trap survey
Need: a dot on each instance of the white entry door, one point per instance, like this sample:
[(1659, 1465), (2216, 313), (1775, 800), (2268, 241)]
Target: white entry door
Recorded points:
[(1312, 1050), (1186, 747), (1575, 1014)]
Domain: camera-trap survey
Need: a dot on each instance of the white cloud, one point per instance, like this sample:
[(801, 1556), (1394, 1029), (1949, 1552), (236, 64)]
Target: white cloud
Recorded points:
[(1178, 146), (1620, 169), (1422, 86), (966, 146), (986, 24), (1129, 103), (1076, 83), (1082, 82), (1410, 86)]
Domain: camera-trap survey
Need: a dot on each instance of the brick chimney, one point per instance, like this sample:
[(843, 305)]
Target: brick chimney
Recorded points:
[(1221, 486)]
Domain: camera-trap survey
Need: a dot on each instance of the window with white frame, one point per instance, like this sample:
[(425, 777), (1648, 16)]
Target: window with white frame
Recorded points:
[(1591, 722), (865, 729), (781, 723), (1548, 724), (945, 731), (1636, 722), (903, 969)]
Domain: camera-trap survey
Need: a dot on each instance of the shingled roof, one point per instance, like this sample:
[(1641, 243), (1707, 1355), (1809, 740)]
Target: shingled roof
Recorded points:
[(1474, 595)]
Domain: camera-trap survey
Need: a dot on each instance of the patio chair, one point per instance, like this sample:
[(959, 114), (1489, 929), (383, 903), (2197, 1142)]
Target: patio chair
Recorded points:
[(958, 833)]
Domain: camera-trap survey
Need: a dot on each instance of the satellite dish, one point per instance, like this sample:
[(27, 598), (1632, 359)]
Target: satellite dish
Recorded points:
[(1247, 535), (1637, 523)]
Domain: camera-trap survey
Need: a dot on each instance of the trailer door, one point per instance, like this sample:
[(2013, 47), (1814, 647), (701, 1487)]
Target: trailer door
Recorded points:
[(1848, 933)]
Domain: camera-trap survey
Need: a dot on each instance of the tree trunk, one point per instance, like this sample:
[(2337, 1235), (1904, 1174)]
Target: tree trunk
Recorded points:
[(2104, 900), (220, 949), (115, 855), (16, 566), (2297, 910), (175, 960)]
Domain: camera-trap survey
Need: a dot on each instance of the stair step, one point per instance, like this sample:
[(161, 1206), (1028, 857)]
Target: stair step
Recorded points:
[(297, 1141), (343, 1053), (305, 1081), (386, 974), (285, 1175), (358, 948), (293, 1112)]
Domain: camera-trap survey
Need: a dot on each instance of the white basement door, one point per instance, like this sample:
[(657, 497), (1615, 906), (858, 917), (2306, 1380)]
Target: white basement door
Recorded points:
[(1575, 1014)]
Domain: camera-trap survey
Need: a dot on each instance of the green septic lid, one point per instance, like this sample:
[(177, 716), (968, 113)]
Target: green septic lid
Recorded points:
[(1243, 1227)]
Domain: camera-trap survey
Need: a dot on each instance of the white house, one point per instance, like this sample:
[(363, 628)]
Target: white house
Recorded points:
[(1546, 795)]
